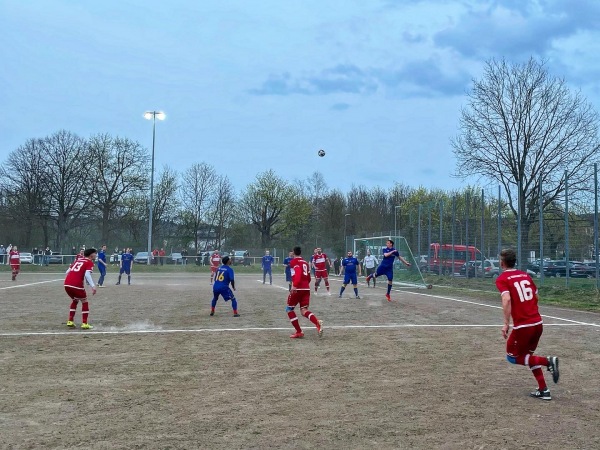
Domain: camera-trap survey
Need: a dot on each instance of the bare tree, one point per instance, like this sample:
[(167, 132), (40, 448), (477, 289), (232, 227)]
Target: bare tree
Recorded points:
[(197, 190), (121, 167), (165, 202), (69, 179), (524, 128), (222, 208), (274, 207)]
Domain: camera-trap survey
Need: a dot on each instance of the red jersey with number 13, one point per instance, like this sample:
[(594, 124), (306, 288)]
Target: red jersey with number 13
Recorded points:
[(76, 273), (523, 297), (300, 274)]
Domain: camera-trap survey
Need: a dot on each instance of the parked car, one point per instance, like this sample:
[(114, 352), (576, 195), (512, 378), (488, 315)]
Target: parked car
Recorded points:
[(26, 258), (491, 268), (175, 258), (240, 258), (534, 266), (57, 258), (576, 269), (469, 269), (141, 258)]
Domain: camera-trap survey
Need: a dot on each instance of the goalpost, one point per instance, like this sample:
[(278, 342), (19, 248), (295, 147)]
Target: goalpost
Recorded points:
[(404, 277)]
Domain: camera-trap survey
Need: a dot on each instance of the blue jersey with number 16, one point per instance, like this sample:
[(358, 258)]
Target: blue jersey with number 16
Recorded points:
[(223, 277)]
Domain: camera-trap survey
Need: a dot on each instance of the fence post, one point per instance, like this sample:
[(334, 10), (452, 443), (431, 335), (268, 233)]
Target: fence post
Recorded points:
[(567, 228), (453, 229), (519, 256), (596, 256), (441, 237), (499, 221), (467, 201), (541, 199), (482, 229)]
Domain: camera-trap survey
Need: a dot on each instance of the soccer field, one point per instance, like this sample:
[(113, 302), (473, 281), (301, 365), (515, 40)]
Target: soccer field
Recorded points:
[(424, 371)]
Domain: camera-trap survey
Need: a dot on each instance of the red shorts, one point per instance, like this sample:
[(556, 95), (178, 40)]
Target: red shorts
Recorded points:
[(523, 341), (76, 293), (15, 267), (322, 273), (301, 298), (213, 269)]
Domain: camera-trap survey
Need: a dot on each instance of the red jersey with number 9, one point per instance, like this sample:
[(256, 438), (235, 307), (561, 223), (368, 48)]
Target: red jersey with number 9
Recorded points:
[(76, 273), (523, 297), (300, 274)]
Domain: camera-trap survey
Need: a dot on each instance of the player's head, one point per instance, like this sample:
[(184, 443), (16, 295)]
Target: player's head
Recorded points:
[(508, 258), (291, 253), (14, 247), (389, 243), (226, 260), (216, 252), (104, 247), (319, 251), (89, 253), (368, 252), (315, 251), (267, 252), (297, 251), (349, 253)]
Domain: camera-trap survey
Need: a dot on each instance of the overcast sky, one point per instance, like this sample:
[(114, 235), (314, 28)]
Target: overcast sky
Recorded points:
[(253, 85)]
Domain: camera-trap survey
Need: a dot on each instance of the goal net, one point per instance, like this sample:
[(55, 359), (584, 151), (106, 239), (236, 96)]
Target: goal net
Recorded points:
[(404, 277)]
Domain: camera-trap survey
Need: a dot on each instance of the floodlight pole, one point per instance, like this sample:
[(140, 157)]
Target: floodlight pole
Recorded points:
[(152, 115), (345, 221), (395, 223)]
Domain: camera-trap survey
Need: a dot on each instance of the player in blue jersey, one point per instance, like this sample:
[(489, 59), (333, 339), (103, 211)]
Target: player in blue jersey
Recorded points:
[(101, 265), (386, 267), (126, 263), (223, 277), (288, 270), (266, 263), (349, 267)]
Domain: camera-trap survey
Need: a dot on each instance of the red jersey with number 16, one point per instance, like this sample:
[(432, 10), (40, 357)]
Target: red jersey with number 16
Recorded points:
[(523, 297), (300, 274), (76, 273)]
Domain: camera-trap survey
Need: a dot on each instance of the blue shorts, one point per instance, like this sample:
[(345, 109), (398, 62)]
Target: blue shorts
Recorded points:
[(102, 269), (126, 270), (226, 293), (387, 271), (350, 278)]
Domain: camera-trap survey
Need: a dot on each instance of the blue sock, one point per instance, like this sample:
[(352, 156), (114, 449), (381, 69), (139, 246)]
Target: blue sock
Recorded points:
[(342, 290), (214, 301), (356, 291), (389, 288), (234, 304)]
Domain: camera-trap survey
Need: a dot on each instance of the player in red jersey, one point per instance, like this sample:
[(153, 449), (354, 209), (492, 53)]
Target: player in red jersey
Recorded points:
[(319, 262), (80, 270), (520, 301), (215, 262), (14, 259), (300, 295)]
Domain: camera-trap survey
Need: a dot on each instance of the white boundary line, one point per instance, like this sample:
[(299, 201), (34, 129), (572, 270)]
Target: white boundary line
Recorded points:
[(231, 330), (29, 284)]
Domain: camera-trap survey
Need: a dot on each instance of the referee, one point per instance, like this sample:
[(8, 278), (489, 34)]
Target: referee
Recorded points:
[(370, 263)]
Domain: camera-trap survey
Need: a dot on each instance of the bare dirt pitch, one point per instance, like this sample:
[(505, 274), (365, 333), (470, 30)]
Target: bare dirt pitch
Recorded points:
[(158, 372)]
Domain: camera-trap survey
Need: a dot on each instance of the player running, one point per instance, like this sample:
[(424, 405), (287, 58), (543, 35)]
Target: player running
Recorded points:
[(79, 270), (386, 267), (300, 295), (349, 267), (319, 263), (288, 271), (14, 259), (215, 262), (223, 277), (125, 265), (520, 301)]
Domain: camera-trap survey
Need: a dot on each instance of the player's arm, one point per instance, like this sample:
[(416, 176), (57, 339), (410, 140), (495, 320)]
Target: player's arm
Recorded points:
[(90, 281), (506, 310), (406, 263)]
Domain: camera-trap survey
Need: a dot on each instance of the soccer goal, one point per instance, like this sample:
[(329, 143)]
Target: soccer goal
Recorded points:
[(404, 277)]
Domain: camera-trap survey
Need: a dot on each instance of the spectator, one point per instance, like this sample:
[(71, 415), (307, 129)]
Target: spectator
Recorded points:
[(8, 249), (184, 255), (336, 266), (47, 254), (73, 254), (2, 254), (162, 254), (155, 256)]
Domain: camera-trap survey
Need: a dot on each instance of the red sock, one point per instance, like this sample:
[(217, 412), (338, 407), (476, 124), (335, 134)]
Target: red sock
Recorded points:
[(539, 376), (294, 320), (85, 309), (538, 361), (310, 316), (327, 284), (72, 310)]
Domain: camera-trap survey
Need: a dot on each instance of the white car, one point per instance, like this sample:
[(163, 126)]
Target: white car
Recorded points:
[(26, 258)]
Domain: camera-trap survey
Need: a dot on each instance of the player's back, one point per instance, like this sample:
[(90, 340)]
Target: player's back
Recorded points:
[(223, 277), (523, 296), (300, 274), (76, 273)]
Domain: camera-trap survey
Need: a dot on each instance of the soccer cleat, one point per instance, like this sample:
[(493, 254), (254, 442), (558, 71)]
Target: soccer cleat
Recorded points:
[(389, 299), (542, 395), (70, 324), (358, 297), (236, 315), (340, 296), (328, 293), (86, 326), (118, 283), (100, 286), (212, 313), (320, 328), (553, 368), (297, 335)]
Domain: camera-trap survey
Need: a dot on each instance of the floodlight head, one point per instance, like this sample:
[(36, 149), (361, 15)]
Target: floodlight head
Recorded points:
[(149, 115)]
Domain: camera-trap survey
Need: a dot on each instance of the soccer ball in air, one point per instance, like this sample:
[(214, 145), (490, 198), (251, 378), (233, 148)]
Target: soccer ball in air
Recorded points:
[(321, 153)]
